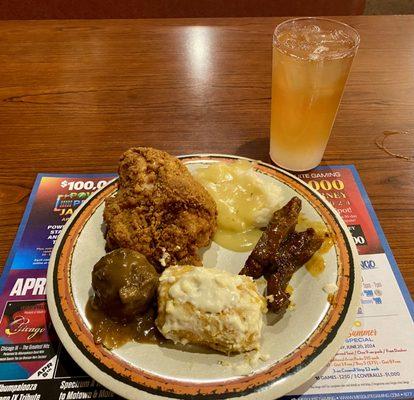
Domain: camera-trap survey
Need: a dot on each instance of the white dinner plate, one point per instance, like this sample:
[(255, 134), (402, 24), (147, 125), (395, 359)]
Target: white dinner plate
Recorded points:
[(298, 346)]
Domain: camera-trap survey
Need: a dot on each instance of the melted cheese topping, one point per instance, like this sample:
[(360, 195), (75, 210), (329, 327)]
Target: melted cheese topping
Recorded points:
[(211, 307), (208, 290)]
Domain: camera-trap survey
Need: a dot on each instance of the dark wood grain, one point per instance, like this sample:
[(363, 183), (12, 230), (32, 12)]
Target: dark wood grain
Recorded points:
[(97, 9), (75, 94)]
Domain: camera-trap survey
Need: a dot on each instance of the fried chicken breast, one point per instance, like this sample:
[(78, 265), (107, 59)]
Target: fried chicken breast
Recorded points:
[(159, 210)]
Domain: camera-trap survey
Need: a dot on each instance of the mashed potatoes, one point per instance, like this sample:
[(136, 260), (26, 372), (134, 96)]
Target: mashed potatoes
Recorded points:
[(210, 307), (245, 203)]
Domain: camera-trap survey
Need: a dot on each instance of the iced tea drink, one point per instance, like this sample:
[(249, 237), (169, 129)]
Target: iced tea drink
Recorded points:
[(311, 62)]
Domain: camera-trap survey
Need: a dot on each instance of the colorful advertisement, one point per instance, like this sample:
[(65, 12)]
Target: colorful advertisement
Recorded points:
[(33, 363), (340, 186), (376, 361)]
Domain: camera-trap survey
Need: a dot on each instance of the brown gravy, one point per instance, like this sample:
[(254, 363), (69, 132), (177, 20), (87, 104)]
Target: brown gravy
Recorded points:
[(112, 334)]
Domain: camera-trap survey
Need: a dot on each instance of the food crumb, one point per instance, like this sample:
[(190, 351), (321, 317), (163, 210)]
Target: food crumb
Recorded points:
[(242, 369), (261, 284), (245, 366), (165, 257), (330, 288)]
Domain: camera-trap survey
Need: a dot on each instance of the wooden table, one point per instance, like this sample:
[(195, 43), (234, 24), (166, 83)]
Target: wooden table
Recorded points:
[(75, 94)]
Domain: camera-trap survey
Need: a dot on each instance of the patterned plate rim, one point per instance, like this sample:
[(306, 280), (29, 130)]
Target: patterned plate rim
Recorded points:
[(126, 380)]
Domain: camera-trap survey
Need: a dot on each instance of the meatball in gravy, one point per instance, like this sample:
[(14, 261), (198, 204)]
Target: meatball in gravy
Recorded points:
[(125, 284)]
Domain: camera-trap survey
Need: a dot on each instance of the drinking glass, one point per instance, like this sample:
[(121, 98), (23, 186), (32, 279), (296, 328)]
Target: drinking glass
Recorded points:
[(311, 62)]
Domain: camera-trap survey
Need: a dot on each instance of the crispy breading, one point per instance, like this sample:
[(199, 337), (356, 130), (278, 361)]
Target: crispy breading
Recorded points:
[(159, 210)]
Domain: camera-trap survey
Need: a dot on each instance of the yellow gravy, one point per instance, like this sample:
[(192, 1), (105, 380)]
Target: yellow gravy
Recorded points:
[(241, 198), (244, 203), (316, 265)]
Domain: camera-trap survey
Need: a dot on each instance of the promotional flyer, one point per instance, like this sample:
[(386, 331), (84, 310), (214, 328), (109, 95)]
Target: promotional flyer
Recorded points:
[(376, 361)]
